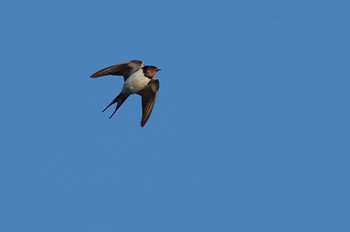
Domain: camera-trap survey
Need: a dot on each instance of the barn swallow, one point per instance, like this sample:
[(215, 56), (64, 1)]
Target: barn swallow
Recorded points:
[(138, 79)]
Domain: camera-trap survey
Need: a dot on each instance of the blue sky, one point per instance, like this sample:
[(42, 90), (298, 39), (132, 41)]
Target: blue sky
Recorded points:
[(250, 131)]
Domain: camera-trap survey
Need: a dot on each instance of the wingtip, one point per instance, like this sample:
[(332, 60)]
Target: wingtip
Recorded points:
[(143, 123), (94, 75)]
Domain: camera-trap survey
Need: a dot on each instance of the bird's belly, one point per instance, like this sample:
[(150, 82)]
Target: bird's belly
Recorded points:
[(136, 82)]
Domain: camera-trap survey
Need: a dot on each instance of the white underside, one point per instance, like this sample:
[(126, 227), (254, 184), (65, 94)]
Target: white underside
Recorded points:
[(135, 82)]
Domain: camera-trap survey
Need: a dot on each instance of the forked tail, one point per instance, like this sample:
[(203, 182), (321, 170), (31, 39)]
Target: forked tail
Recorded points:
[(120, 99)]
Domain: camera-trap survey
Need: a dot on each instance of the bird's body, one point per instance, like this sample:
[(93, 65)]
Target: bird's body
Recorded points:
[(135, 82), (138, 79)]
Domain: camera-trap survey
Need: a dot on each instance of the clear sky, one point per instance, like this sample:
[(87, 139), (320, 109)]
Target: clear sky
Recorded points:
[(250, 131)]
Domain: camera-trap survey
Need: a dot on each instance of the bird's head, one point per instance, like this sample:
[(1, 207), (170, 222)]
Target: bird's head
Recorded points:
[(150, 71)]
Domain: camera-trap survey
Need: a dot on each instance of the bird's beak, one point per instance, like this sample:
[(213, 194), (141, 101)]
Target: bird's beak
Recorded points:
[(158, 69)]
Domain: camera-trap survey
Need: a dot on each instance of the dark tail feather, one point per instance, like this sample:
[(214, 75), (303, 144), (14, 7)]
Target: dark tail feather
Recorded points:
[(119, 100)]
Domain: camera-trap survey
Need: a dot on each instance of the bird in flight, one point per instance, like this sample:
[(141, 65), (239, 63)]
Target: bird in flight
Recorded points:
[(138, 79)]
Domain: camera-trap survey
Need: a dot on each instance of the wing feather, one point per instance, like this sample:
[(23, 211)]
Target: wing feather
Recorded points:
[(123, 69), (148, 94)]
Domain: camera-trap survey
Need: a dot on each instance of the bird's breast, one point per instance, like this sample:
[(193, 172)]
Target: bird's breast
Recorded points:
[(136, 82)]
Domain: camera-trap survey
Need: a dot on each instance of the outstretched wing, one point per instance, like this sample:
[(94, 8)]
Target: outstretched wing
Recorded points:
[(148, 94), (123, 69)]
